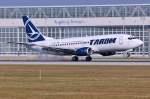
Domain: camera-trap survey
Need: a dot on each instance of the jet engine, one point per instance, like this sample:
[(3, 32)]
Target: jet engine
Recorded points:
[(83, 51)]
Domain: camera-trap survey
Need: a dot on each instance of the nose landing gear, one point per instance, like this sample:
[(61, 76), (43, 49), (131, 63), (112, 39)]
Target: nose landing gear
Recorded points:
[(127, 54)]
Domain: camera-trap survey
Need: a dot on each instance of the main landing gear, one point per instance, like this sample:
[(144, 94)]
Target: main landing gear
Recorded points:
[(75, 58), (87, 58)]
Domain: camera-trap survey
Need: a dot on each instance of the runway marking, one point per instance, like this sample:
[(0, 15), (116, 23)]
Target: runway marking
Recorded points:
[(109, 63)]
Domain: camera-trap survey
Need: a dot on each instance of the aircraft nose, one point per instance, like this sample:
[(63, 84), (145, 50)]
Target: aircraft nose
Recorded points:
[(140, 43)]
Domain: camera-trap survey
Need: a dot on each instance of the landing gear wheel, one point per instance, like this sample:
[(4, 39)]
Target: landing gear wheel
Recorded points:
[(88, 58), (128, 54), (75, 58)]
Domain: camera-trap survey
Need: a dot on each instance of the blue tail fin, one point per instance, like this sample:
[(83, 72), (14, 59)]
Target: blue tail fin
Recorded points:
[(33, 34)]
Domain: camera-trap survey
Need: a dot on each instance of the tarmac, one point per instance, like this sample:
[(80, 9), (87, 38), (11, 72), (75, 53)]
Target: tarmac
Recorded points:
[(104, 63), (57, 60)]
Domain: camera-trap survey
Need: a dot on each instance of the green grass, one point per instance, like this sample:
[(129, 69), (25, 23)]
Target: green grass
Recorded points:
[(74, 82)]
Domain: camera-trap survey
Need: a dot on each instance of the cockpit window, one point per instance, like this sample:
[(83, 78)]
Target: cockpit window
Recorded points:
[(131, 38)]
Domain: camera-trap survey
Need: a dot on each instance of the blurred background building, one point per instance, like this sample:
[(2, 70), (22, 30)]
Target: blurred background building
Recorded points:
[(74, 21)]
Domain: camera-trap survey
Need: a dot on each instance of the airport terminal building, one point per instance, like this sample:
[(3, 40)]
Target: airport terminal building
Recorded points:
[(74, 21)]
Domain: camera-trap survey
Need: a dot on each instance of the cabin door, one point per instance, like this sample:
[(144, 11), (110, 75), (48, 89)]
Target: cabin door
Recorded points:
[(121, 40)]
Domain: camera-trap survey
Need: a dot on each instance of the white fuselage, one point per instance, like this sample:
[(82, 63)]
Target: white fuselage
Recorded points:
[(101, 43)]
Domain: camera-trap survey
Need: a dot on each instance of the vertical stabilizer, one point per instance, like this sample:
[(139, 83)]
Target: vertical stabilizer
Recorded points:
[(33, 34)]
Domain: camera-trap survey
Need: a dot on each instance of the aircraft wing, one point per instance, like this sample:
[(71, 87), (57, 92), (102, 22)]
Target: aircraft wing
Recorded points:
[(58, 51), (22, 43)]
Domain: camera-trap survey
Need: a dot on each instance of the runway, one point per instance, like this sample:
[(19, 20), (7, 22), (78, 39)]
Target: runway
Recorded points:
[(106, 63)]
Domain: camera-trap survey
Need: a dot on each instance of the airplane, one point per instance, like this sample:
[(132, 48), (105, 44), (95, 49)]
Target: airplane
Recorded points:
[(104, 45)]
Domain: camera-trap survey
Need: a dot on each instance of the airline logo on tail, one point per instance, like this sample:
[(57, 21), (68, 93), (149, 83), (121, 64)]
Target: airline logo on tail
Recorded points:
[(33, 33)]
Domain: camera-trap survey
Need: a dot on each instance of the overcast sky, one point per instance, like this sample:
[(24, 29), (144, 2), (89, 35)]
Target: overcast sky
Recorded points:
[(68, 2)]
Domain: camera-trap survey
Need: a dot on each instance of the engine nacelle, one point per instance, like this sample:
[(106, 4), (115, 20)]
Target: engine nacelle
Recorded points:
[(83, 51), (108, 53)]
